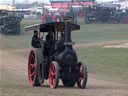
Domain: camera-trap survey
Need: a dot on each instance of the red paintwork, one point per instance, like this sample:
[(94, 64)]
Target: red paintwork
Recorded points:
[(80, 74), (52, 75), (65, 4), (31, 67)]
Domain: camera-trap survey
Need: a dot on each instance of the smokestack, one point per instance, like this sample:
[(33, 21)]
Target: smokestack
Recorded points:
[(68, 41)]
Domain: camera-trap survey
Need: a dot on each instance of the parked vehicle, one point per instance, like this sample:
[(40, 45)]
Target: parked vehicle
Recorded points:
[(9, 24)]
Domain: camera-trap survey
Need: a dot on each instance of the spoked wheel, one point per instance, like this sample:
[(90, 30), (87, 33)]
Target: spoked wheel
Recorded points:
[(82, 75), (54, 74), (33, 69)]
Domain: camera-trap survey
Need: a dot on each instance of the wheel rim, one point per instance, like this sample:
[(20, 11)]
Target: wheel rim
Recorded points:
[(80, 78), (52, 75), (31, 67)]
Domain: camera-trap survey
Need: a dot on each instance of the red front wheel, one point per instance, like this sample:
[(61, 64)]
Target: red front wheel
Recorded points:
[(54, 74), (33, 69), (82, 75)]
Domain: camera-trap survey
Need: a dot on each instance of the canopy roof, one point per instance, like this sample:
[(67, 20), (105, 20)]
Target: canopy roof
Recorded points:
[(52, 26)]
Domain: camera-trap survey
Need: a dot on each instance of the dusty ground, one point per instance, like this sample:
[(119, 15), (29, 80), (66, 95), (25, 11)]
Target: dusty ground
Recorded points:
[(125, 45), (101, 43), (14, 79)]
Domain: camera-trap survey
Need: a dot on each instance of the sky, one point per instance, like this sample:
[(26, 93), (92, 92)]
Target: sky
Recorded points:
[(42, 1)]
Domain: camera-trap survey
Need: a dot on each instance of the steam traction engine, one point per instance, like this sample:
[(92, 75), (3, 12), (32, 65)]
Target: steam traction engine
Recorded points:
[(60, 62)]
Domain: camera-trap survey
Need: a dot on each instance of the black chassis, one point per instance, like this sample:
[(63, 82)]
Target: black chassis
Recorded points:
[(66, 57)]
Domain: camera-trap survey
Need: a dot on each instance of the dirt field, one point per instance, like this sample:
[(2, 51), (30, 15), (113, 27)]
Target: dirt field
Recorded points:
[(15, 82)]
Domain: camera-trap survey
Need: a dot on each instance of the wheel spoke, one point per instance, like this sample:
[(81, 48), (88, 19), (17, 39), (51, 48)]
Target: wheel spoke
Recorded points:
[(53, 74), (50, 78), (31, 65), (34, 65), (34, 62), (81, 74), (32, 74), (53, 68), (79, 79)]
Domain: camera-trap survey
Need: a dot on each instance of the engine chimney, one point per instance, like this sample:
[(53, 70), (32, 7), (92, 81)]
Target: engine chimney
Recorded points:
[(68, 42)]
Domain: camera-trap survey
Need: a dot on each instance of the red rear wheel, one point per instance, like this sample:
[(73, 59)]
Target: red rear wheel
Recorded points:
[(54, 74), (32, 69), (82, 75)]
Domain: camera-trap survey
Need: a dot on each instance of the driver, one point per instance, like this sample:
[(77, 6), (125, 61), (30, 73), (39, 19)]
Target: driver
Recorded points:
[(35, 40)]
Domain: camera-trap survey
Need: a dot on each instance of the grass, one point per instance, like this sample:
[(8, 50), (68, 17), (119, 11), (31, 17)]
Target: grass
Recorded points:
[(101, 62), (27, 22), (100, 32), (107, 63)]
